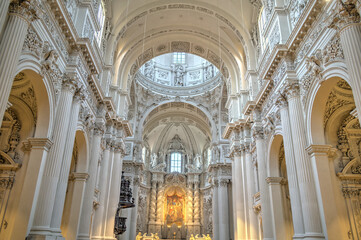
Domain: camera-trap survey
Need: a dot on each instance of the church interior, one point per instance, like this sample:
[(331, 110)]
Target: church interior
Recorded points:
[(180, 119)]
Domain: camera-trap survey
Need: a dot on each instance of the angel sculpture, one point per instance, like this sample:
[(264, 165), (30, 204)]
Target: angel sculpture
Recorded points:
[(156, 236), (197, 236), (192, 237), (139, 236), (208, 237)]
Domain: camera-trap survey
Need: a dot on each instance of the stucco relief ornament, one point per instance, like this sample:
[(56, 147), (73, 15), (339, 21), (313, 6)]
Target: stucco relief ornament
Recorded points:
[(347, 14), (26, 9)]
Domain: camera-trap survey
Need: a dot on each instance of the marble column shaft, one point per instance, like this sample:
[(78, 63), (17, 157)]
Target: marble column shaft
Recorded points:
[(223, 210), (105, 168), (87, 209), (297, 217), (215, 205), (114, 192), (4, 8), (240, 206), (322, 167), (264, 191), (72, 225), (277, 208), (65, 168), (134, 211), (11, 46), (350, 38), (251, 190), (310, 209), (39, 148), (52, 169)]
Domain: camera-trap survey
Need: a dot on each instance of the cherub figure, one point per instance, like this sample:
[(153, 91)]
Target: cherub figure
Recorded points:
[(192, 237), (156, 236), (139, 236), (208, 237)]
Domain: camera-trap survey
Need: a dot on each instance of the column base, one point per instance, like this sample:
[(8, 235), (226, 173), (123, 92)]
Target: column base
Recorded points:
[(298, 236), (314, 236), (83, 237), (44, 237)]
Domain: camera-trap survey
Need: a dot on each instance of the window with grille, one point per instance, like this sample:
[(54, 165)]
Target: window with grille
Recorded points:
[(175, 162), (179, 58)]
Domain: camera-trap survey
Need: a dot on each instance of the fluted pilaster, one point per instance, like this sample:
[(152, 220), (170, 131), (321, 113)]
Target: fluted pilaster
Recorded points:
[(262, 175), (104, 181), (87, 208), (310, 210), (215, 209), (114, 192), (297, 217), (134, 211), (239, 184), (4, 8), (251, 190), (46, 200), (65, 167), (21, 13), (347, 21), (223, 209)]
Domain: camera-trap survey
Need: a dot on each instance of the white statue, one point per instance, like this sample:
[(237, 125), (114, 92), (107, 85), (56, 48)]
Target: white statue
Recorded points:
[(179, 72)]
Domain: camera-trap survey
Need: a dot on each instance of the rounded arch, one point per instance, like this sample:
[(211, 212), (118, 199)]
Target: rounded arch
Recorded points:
[(44, 94), (273, 168), (127, 65), (81, 141), (148, 111), (317, 103)]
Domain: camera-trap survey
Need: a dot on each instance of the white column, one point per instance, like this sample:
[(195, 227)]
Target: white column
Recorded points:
[(65, 167), (132, 228), (4, 8), (46, 200), (234, 199), (325, 190), (87, 209), (297, 217), (310, 209), (20, 15), (350, 36), (264, 191), (114, 192), (215, 206), (277, 208), (76, 205), (240, 206), (104, 181), (21, 224), (223, 210), (251, 190)]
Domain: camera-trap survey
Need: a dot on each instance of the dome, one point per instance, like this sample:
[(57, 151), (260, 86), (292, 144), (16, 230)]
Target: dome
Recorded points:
[(179, 74)]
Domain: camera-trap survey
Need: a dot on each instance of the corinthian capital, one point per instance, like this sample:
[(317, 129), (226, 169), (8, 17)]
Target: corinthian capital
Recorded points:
[(26, 9), (292, 90), (257, 132), (346, 14)]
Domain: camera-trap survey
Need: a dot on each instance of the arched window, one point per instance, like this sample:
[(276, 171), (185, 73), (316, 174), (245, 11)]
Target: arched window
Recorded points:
[(101, 20), (176, 162)]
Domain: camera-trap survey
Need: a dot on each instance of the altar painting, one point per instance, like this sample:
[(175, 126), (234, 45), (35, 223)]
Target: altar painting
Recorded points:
[(175, 210)]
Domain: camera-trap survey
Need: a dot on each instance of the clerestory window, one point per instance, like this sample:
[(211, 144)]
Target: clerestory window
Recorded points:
[(179, 58), (176, 162)]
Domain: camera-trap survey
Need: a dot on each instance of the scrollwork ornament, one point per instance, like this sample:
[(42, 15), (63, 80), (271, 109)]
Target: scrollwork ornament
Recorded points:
[(26, 9)]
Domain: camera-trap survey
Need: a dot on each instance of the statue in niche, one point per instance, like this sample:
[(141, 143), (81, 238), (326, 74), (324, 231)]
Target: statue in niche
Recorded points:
[(149, 70), (209, 72), (179, 74), (154, 160)]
